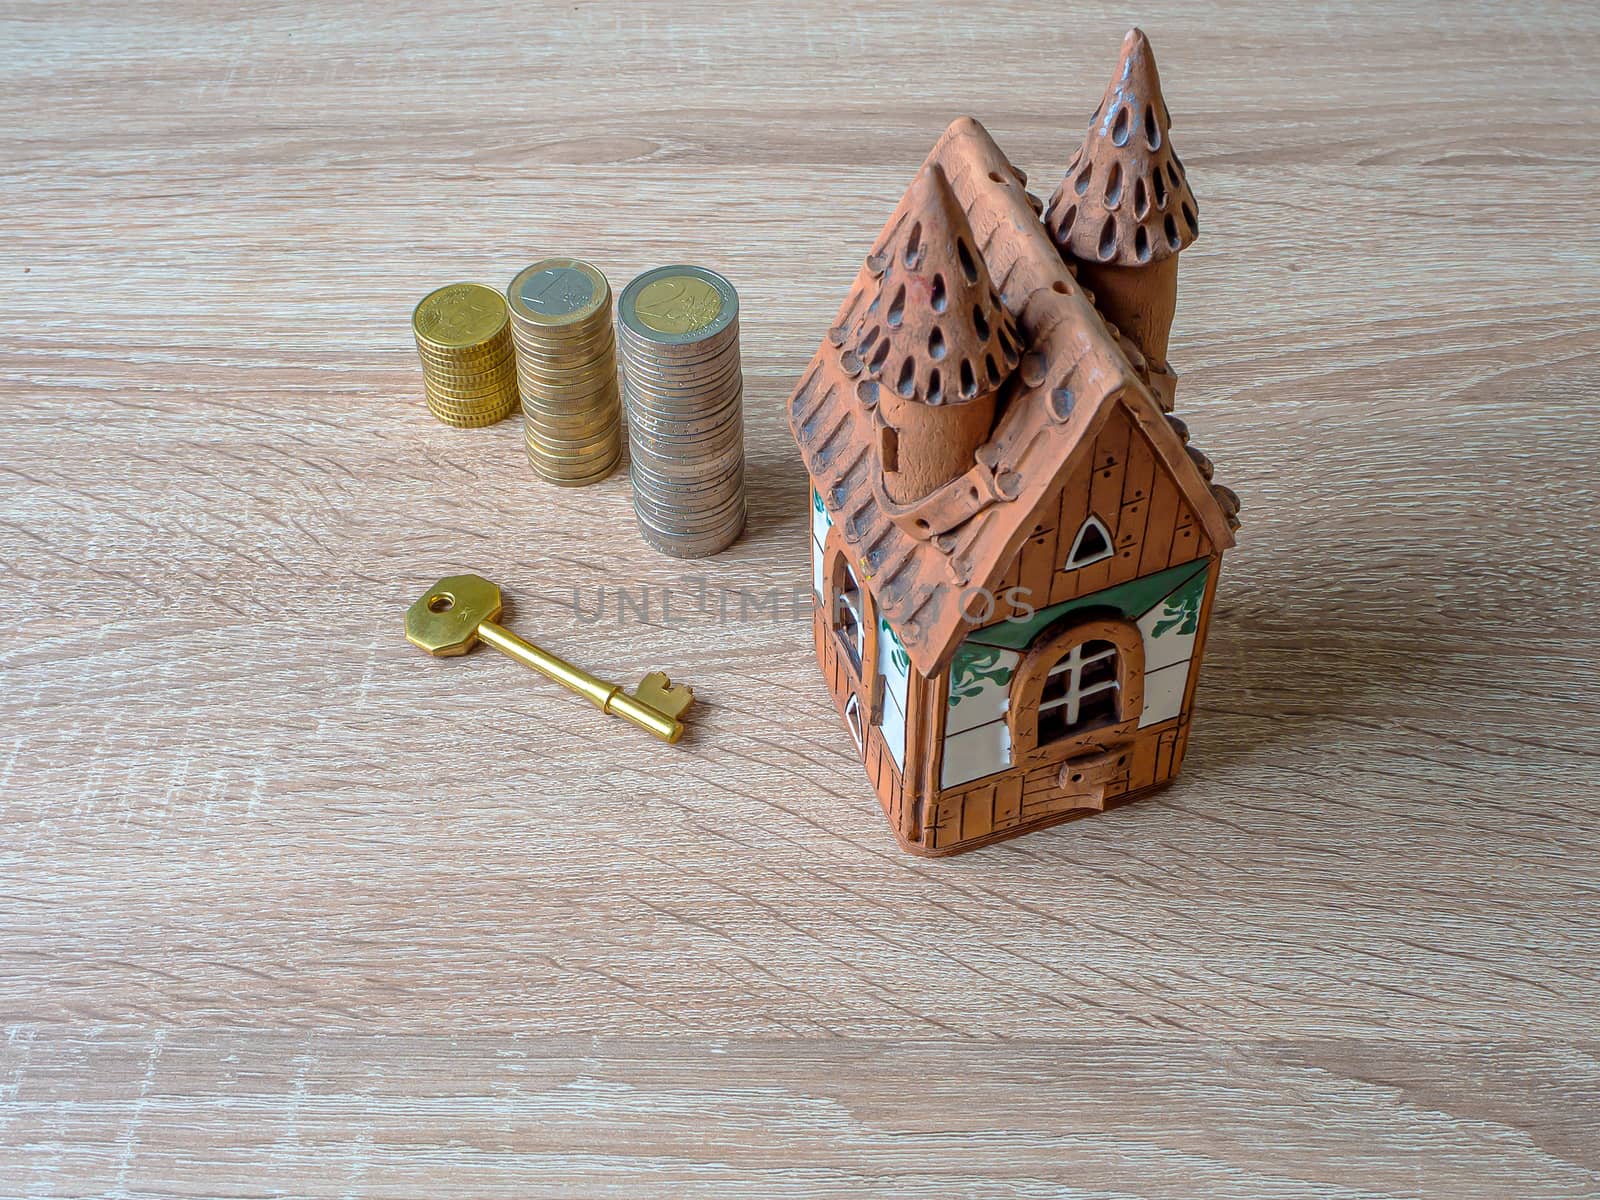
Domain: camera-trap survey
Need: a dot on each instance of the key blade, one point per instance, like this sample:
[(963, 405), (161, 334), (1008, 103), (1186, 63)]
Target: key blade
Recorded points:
[(660, 693)]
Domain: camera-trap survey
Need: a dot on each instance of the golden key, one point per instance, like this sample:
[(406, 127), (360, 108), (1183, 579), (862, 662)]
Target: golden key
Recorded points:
[(459, 611)]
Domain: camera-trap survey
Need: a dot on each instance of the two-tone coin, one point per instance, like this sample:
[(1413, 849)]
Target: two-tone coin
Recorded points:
[(567, 367), (683, 392)]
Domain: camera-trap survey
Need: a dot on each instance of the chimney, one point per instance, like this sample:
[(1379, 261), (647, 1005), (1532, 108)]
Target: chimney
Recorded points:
[(1124, 211), (934, 346)]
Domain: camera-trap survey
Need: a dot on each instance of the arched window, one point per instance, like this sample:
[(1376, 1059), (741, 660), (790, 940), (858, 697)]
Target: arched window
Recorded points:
[(1080, 685), (847, 615), (1080, 692)]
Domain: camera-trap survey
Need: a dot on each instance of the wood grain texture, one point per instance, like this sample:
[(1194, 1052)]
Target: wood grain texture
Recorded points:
[(287, 908)]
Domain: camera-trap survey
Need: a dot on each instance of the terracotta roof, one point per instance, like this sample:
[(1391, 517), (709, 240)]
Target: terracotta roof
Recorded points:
[(919, 562), (1125, 198), (936, 331)]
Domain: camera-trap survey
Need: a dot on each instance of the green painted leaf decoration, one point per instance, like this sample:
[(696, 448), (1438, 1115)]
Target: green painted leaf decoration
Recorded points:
[(1181, 611), (973, 665), (897, 652)]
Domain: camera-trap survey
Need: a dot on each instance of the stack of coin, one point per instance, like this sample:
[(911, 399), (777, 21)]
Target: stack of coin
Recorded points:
[(684, 391), (469, 369), (567, 362)]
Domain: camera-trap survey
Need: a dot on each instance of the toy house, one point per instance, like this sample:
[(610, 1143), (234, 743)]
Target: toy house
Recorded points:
[(1015, 548)]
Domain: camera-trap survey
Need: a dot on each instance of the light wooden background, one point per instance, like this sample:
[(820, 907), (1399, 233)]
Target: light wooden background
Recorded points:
[(287, 908)]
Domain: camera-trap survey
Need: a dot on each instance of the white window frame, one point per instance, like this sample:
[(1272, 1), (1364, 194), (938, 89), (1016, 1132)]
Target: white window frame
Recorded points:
[(1094, 522), (1073, 663), (859, 641), (852, 720)]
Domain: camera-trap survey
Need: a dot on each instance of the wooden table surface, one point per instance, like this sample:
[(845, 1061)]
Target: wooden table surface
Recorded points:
[(289, 909)]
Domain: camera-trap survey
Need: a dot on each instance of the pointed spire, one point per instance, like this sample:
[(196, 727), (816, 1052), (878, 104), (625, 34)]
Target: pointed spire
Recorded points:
[(1125, 200), (936, 332)]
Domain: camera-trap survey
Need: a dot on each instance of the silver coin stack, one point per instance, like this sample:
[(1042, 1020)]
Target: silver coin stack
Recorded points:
[(682, 386)]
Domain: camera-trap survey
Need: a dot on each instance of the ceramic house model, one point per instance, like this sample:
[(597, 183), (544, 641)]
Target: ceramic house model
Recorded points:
[(1015, 548)]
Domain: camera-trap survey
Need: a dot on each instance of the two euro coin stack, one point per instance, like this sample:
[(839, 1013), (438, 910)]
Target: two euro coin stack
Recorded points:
[(567, 365), (683, 387), (469, 369)]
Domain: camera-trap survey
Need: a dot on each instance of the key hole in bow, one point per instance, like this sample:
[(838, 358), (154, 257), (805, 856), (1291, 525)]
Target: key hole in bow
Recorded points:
[(441, 602)]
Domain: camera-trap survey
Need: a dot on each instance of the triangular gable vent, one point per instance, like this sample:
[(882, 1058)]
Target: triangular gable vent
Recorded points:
[(1092, 544)]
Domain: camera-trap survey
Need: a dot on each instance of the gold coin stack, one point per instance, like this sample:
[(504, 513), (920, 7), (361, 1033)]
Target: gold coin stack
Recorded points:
[(469, 368), (567, 364), (684, 390)]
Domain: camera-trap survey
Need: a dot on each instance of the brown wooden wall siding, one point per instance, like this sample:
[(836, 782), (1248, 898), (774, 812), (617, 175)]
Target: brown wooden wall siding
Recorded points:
[(929, 701), (1152, 527), (1195, 662), (836, 671), (885, 775), (1023, 796), (834, 668)]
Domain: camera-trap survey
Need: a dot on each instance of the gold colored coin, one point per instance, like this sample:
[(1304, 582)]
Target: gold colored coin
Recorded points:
[(498, 411), (474, 402), (459, 316), (469, 374), (471, 418), (487, 357)]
